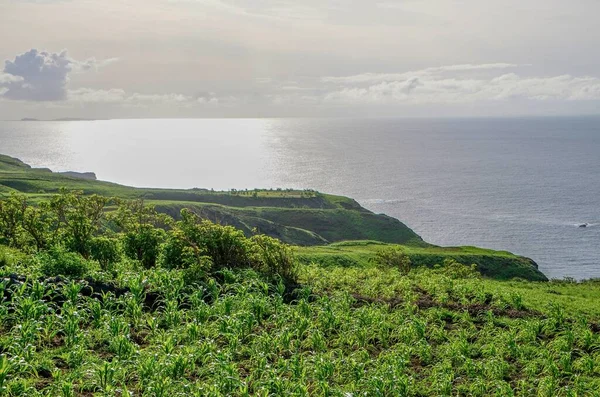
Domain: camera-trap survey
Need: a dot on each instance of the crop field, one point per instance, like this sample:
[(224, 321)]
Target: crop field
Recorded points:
[(361, 331)]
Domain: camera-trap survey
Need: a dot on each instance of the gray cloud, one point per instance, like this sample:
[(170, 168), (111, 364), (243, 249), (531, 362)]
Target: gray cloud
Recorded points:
[(41, 75)]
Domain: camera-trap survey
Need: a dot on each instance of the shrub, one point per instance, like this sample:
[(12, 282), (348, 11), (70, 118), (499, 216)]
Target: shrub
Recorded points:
[(197, 271), (11, 257), (457, 270), (178, 252), (105, 250), (143, 244), (57, 261), (225, 245), (273, 257), (393, 257)]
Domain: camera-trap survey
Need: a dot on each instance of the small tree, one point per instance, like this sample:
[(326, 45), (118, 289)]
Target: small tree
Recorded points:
[(79, 218), (58, 261), (106, 251), (273, 257), (143, 230)]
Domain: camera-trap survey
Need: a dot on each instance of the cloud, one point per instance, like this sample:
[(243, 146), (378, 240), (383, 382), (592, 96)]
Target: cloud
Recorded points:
[(375, 77), (452, 90), (88, 95), (6, 78), (120, 97), (42, 76)]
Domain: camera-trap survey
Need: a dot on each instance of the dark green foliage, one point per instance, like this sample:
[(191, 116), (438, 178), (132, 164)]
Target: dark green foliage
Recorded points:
[(198, 270), (177, 252), (105, 250), (227, 246), (142, 230), (11, 220), (143, 244), (192, 241), (58, 261)]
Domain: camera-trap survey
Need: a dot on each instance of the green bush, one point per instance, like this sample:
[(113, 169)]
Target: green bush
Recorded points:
[(273, 257), (143, 244), (57, 261), (106, 251), (197, 271), (393, 257), (208, 247), (457, 270), (225, 245), (10, 257)]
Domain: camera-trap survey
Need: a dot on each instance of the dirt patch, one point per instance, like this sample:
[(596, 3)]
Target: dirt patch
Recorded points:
[(425, 301)]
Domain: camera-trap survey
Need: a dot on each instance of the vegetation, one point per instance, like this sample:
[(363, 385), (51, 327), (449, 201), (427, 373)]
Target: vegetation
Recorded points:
[(500, 265), (304, 218), (371, 330), (111, 296)]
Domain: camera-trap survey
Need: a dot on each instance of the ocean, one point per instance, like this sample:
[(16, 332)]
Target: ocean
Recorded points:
[(522, 185)]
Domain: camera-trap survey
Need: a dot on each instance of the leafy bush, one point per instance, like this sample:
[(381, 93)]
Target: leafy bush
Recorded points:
[(225, 245), (457, 270), (209, 247), (273, 257), (10, 257), (57, 261), (197, 271), (177, 252), (143, 244), (393, 257), (105, 250)]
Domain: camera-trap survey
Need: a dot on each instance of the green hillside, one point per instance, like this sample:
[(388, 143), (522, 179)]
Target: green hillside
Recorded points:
[(303, 218), (296, 217)]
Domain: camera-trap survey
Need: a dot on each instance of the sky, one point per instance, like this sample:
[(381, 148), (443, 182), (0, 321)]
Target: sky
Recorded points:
[(298, 58)]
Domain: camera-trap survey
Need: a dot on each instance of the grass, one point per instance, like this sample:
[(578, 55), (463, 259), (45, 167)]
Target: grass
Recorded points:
[(501, 265), (346, 331)]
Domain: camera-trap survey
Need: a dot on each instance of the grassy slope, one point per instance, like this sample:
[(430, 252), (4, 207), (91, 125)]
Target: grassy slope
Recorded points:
[(489, 262), (300, 218), (305, 218)]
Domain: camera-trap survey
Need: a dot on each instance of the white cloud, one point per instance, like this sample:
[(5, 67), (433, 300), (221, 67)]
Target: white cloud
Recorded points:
[(434, 89), (375, 77), (88, 95), (91, 64), (120, 97), (43, 76), (6, 78)]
